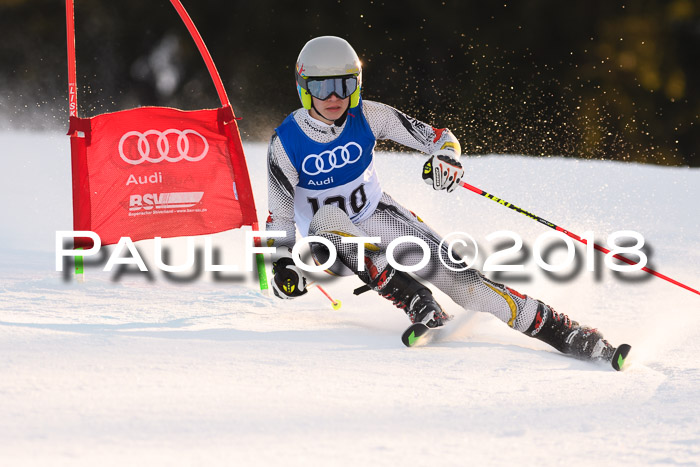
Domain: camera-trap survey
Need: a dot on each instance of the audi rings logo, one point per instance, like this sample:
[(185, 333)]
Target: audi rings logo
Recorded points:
[(140, 141), (336, 158)]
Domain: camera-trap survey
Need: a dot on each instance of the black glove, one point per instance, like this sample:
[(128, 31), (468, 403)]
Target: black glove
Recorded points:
[(443, 173), (289, 281)]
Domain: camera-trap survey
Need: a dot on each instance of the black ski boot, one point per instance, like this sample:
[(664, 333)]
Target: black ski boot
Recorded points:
[(569, 337), (409, 295)]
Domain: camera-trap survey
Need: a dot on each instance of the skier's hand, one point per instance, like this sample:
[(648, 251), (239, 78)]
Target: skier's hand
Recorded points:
[(289, 281), (443, 172)]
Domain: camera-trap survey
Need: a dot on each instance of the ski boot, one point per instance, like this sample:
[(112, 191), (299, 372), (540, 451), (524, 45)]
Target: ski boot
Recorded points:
[(569, 337), (409, 295)]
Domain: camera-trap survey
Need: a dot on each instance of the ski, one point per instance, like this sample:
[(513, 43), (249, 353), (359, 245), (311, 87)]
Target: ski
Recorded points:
[(415, 334), (618, 358), (421, 334), (418, 334)]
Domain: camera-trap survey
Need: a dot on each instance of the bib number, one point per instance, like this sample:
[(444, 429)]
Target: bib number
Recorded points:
[(356, 201)]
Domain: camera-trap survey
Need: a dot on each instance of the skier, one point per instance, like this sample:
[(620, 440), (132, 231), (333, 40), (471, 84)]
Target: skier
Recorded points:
[(323, 181)]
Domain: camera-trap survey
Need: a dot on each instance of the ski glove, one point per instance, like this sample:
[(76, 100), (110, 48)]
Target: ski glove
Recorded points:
[(289, 281), (443, 172)]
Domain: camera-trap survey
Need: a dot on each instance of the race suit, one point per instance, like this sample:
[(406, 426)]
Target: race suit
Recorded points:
[(311, 164)]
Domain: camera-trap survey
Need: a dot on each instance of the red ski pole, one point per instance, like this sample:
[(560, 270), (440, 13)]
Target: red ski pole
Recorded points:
[(551, 225), (336, 304)]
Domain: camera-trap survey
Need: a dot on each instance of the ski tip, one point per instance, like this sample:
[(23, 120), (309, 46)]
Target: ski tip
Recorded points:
[(412, 335), (618, 359)]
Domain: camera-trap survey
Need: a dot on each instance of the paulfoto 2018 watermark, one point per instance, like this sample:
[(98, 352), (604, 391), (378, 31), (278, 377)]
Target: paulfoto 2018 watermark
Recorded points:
[(452, 242)]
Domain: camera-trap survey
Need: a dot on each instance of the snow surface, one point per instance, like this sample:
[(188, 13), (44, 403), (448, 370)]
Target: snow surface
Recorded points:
[(134, 369)]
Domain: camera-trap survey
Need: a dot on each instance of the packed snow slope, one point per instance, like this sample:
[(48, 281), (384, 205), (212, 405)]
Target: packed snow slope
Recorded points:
[(144, 369)]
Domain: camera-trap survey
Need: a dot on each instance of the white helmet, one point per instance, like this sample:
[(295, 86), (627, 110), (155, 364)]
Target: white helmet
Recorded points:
[(326, 57)]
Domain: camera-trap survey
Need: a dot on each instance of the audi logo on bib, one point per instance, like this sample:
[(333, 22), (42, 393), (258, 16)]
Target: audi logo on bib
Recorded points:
[(335, 158), (137, 142)]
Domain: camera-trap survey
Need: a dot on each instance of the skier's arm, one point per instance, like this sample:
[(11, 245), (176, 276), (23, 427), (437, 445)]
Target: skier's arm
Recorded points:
[(282, 177), (288, 280), (388, 123), (442, 170)]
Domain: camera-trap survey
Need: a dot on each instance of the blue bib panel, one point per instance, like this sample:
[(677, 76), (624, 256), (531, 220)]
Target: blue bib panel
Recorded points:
[(340, 172)]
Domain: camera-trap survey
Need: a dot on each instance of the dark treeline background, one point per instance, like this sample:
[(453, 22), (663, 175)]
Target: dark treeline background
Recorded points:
[(591, 79)]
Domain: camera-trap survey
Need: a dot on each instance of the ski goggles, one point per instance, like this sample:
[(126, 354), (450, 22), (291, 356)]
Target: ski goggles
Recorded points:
[(322, 88)]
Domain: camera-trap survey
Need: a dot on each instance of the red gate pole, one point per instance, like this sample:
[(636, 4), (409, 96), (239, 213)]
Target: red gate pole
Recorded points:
[(73, 102)]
